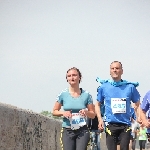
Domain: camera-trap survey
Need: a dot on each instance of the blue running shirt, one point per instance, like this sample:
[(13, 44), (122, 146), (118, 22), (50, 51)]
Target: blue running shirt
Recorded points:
[(117, 101), (145, 105)]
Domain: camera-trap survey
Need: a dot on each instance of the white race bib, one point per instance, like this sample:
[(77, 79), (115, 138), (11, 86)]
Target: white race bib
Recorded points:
[(118, 105), (77, 121)]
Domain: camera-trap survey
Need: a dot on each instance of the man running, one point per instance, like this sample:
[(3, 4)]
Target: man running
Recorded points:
[(117, 95), (145, 108)]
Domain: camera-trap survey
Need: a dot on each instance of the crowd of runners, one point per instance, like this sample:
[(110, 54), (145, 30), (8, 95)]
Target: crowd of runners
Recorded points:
[(118, 112)]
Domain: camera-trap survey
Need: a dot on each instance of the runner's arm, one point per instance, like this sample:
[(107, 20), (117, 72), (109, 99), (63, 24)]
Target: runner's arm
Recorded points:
[(100, 99), (98, 111), (56, 109), (144, 107), (143, 115), (137, 110), (91, 112), (135, 97)]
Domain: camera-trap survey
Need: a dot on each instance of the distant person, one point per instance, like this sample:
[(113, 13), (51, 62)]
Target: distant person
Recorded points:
[(148, 134), (133, 139), (117, 95), (142, 137), (77, 106), (134, 128)]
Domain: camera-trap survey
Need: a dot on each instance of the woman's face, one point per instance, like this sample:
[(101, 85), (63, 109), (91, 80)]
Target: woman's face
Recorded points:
[(73, 77)]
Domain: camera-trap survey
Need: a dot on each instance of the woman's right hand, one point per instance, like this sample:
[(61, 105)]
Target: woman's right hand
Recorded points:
[(67, 114)]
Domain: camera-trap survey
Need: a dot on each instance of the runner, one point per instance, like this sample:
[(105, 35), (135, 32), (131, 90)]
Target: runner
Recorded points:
[(142, 137), (117, 95), (77, 104), (145, 109)]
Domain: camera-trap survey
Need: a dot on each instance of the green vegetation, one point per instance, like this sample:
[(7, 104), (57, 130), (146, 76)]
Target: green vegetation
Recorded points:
[(50, 115)]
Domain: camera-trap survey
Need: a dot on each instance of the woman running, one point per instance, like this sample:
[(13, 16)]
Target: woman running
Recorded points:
[(77, 106)]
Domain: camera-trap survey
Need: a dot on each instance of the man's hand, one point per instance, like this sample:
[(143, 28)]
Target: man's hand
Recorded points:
[(146, 123), (101, 125), (139, 120)]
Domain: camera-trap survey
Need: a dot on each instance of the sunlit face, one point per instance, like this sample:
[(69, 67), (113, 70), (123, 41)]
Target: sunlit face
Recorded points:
[(116, 71), (73, 77)]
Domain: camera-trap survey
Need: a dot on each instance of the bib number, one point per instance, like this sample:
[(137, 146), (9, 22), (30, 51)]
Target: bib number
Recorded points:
[(118, 105), (77, 121)]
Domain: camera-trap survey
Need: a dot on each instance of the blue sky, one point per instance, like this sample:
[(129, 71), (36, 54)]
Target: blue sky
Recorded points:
[(41, 40)]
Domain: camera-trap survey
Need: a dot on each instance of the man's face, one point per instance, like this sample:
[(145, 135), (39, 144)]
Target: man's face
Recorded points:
[(116, 71)]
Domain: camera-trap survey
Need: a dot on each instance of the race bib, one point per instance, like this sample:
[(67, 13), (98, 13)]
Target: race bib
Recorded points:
[(118, 105), (77, 121)]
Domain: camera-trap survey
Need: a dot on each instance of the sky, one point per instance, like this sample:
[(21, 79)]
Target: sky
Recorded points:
[(41, 39)]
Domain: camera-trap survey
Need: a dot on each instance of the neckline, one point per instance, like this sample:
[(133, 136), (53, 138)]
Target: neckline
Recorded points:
[(81, 91)]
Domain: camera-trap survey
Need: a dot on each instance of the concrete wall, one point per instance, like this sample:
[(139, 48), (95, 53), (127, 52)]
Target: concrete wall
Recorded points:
[(26, 130)]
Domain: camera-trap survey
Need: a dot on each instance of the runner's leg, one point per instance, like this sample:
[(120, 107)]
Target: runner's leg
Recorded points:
[(125, 138), (111, 138), (83, 138), (140, 144), (68, 139), (98, 140), (133, 144), (143, 144)]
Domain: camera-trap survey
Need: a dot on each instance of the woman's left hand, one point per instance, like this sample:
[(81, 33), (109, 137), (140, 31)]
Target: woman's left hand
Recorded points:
[(83, 112)]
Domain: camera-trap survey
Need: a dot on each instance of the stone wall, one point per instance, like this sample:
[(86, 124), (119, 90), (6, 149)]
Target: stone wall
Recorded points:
[(26, 130)]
